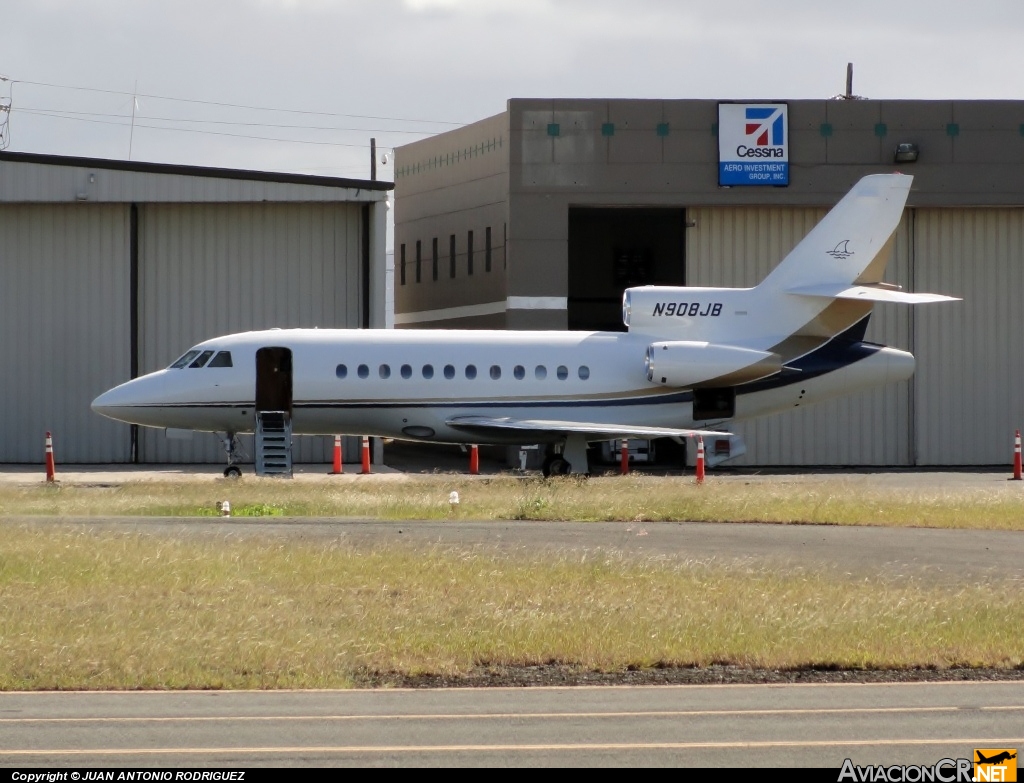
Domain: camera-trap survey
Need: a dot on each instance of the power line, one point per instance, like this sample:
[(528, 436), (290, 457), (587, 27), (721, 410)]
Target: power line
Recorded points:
[(63, 114), (198, 130), (234, 105)]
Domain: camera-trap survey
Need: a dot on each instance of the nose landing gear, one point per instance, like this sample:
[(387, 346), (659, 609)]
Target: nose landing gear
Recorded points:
[(232, 448)]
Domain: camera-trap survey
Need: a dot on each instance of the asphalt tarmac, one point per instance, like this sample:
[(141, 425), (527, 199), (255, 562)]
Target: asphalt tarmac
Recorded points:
[(928, 555), (714, 726)]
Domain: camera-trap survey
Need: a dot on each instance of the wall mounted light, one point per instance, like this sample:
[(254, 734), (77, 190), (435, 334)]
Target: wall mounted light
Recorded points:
[(906, 152)]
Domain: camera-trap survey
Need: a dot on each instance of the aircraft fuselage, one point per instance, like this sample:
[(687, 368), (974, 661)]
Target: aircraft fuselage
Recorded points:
[(411, 383)]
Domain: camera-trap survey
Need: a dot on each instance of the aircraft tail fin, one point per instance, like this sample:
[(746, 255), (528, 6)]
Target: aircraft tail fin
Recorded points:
[(852, 243), (825, 288)]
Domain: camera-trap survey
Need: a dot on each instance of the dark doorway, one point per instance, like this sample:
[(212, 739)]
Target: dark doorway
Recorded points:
[(714, 404), (614, 248), (274, 379)]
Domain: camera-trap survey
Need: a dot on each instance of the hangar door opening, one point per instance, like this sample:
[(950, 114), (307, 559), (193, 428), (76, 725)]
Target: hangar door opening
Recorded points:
[(613, 248)]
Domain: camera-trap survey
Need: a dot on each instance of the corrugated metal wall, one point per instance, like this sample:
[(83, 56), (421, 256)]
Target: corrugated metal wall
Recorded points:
[(970, 369), (213, 269), (64, 320), (738, 247)]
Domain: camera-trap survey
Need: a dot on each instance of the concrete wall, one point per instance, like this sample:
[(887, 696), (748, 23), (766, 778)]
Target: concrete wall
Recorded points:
[(453, 185), (557, 153)]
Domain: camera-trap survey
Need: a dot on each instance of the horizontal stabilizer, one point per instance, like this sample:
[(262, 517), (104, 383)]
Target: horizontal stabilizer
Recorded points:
[(868, 293), (594, 430)]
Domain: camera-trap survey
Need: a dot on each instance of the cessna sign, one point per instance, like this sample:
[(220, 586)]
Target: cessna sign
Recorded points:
[(753, 144)]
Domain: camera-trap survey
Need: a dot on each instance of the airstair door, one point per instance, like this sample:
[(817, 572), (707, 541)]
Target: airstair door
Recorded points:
[(274, 412)]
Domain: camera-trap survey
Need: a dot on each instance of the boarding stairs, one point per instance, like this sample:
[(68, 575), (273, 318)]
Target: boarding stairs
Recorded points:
[(274, 444)]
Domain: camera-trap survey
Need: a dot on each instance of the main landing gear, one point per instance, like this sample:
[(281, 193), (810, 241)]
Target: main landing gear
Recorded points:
[(571, 459), (231, 448), (555, 465)]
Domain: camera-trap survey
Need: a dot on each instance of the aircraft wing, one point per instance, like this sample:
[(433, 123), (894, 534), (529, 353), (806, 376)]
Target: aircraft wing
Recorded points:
[(595, 431), (870, 294)]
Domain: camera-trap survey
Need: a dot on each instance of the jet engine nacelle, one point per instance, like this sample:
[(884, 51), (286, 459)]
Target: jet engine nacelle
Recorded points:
[(689, 364)]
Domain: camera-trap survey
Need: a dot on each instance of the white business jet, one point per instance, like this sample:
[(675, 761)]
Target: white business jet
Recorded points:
[(692, 361)]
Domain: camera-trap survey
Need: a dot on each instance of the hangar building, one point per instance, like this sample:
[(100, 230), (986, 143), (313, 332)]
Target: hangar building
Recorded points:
[(539, 217), (111, 269)]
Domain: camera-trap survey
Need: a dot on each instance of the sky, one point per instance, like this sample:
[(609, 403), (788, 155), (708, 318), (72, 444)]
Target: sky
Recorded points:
[(302, 85)]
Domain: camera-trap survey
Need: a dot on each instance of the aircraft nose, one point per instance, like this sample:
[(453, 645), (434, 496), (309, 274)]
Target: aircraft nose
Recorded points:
[(122, 402), (108, 402), (101, 404)]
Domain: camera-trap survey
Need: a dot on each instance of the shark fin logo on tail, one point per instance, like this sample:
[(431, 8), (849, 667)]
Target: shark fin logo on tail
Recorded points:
[(841, 250)]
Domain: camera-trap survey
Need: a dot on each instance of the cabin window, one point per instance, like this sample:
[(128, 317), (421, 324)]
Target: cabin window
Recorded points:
[(449, 371), (341, 371), (363, 371), (384, 371), (584, 372), (222, 359), (540, 372), (471, 371), (406, 371), (428, 371), (519, 372), (184, 360), (562, 372), (204, 357), (495, 372)]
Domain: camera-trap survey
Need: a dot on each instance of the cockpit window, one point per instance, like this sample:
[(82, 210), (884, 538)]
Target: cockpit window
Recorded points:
[(204, 357), (222, 359), (185, 360)]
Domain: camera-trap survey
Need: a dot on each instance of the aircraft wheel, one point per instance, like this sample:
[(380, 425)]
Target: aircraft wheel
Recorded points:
[(232, 471), (559, 467)]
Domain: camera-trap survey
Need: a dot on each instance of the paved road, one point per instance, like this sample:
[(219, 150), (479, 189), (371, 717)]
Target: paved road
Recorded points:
[(936, 556), (773, 725)]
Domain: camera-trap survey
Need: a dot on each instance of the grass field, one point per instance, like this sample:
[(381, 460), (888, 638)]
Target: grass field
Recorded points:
[(89, 609), (633, 498)]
